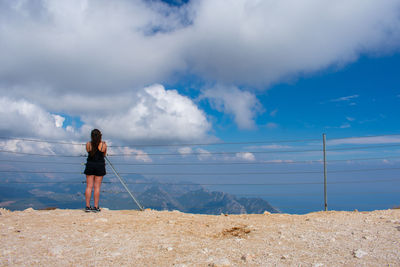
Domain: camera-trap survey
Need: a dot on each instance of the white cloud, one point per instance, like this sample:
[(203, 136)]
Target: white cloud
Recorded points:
[(92, 58), (22, 118), (100, 46), (350, 119), (59, 120), (344, 98), (151, 113), (345, 125), (246, 156), (203, 154), (242, 105), (274, 146), (365, 140), (139, 155), (155, 114), (184, 151)]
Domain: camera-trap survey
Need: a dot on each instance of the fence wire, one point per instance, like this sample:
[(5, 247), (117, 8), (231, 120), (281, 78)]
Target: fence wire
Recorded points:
[(263, 169)]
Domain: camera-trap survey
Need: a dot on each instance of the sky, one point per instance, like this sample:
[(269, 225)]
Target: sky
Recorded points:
[(173, 72)]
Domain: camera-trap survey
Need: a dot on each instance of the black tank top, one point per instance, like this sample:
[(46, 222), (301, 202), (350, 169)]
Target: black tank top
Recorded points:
[(97, 157)]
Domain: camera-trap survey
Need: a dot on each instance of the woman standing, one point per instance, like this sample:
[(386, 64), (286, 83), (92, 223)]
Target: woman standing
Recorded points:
[(95, 169)]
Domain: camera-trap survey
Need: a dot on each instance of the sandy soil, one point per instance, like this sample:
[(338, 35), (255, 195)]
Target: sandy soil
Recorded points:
[(162, 238)]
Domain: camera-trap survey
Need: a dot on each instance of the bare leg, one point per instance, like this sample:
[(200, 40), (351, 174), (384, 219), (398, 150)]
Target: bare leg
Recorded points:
[(97, 185), (89, 187)]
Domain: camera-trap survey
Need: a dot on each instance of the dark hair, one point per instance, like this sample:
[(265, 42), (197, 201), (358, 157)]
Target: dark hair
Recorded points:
[(96, 139)]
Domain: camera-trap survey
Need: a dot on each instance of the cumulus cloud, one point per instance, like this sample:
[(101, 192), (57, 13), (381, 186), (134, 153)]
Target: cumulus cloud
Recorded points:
[(92, 59), (138, 154), (242, 105), (155, 114), (151, 113), (22, 118), (103, 45)]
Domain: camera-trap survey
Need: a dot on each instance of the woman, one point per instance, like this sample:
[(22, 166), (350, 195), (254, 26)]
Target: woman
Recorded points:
[(95, 169)]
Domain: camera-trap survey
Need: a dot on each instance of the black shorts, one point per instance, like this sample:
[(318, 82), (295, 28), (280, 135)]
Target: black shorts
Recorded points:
[(95, 168)]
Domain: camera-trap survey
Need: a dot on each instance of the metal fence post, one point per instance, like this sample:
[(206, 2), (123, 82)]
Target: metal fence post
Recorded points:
[(123, 183), (324, 151)]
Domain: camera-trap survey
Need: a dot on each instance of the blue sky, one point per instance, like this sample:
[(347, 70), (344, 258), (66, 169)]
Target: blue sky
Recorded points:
[(173, 72), (358, 99)]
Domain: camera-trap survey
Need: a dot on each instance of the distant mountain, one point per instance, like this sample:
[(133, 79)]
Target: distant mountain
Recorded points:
[(203, 201), (186, 197)]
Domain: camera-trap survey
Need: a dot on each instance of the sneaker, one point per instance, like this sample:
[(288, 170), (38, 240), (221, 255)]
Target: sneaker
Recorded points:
[(96, 209), (88, 209)]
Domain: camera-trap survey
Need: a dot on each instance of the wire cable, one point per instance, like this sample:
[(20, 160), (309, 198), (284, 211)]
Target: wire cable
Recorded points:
[(366, 136), (39, 154), (209, 173), (252, 152), (210, 184), (42, 141), (42, 162), (195, 144), (168, 145)]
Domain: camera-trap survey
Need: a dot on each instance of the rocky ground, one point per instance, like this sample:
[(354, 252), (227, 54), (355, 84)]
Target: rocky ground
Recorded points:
[(162, 238)]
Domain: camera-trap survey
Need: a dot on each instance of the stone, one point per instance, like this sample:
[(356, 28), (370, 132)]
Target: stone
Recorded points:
[(29, 210), (247, 257), (220, 263), (359, 253), (101, 220)]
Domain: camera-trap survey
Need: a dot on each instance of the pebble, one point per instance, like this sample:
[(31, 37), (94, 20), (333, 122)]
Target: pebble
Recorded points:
[(318, 265), (101, 220), (359, 253), (116, 254), (220, 263), (29, 210), (247, 257)]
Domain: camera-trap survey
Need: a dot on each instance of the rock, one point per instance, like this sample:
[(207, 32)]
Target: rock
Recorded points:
[(318, 265), (247, 257), (267, 213), (29, 210), (284, 257), (116, 254), (101, 220), (170, 248), (220, 263), (359, 253), (57, 250)]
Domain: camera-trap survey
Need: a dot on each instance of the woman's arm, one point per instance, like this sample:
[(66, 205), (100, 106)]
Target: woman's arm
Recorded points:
[(88, 146), (104, 148)]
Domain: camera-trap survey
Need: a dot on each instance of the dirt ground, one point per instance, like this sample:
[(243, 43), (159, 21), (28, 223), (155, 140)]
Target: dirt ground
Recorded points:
[(161, 238)]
